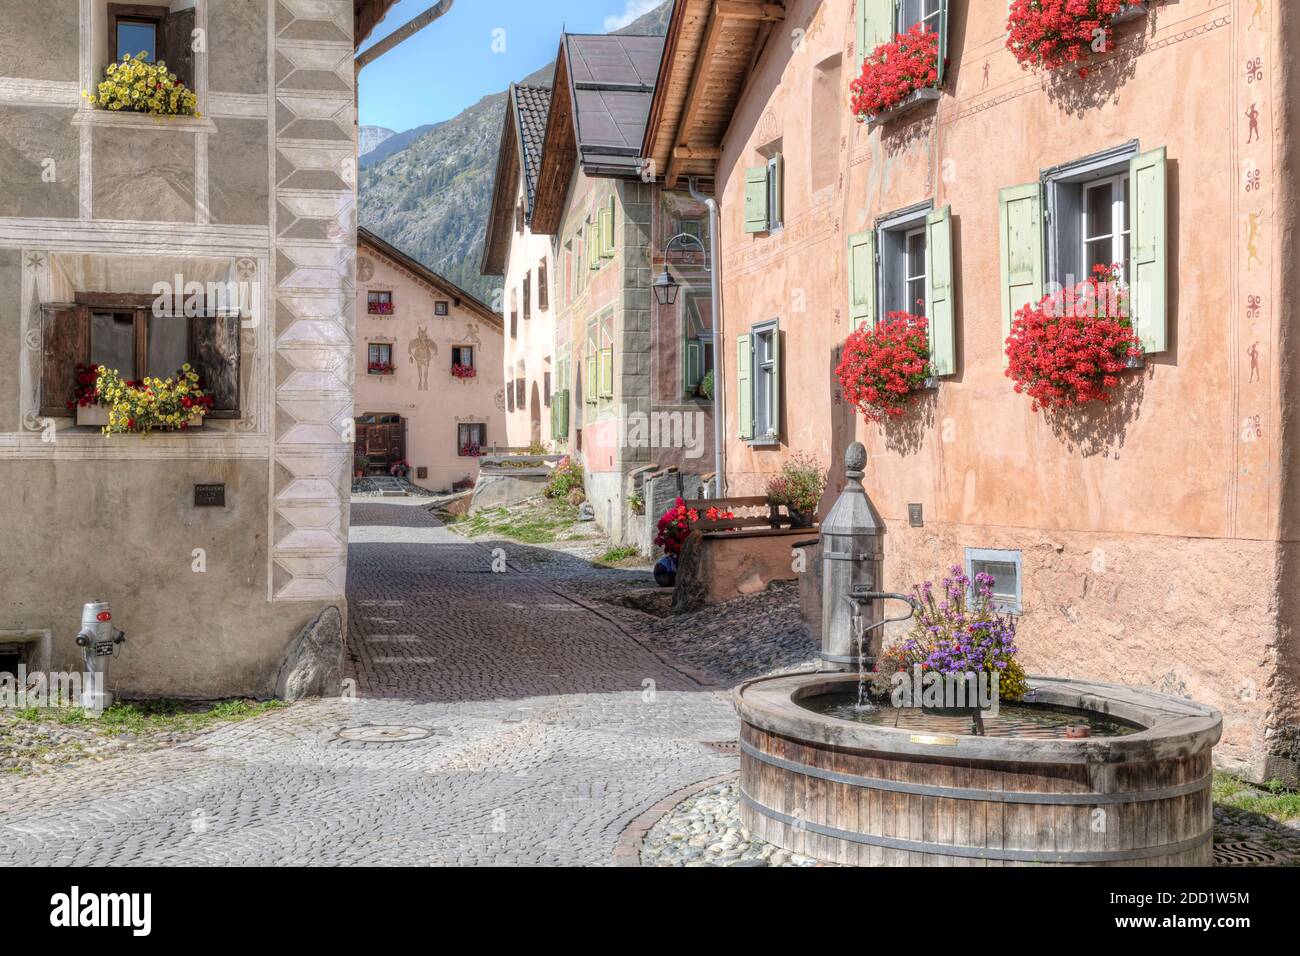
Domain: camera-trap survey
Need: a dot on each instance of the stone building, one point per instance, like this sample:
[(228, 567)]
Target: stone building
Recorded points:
[(536, 376), (1148, 543), (635, 406), (428, 358), (225, 239)]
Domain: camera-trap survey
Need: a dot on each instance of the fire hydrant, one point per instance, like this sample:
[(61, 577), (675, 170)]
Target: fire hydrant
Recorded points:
[(99, 641)]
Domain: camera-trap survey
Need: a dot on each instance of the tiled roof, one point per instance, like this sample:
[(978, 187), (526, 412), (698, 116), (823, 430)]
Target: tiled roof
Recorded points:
[(613, 81), (532, 106)]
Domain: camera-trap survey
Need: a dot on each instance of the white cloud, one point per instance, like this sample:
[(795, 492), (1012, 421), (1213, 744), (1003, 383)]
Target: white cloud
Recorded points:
[(634, 9)]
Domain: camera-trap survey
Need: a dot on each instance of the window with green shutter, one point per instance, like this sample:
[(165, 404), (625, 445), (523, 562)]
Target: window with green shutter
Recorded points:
[(756, 199), (591, 378), (862, 280), (744, 387), (1149, 255), (697, 343), (939, 291), (606, 366), (775, 192), (876, 25), (607, 229), (1020, 224), (765, 375)]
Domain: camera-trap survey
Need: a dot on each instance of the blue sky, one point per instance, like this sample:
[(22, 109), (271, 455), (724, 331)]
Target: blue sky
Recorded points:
[(452, 63)]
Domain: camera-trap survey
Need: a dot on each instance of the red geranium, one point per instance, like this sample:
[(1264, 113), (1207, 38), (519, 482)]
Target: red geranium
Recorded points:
[(895, 70), (675, 525), (1048, 34), (86, 391), (883, 366), (1070, 348), (463, 371)]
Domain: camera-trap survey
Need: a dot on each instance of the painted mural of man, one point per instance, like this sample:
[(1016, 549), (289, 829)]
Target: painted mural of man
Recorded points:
[(421, 351), (1252, 114), (1253, 352)]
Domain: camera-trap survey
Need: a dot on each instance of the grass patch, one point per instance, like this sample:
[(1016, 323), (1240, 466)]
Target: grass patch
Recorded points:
[(619, 557), (1272, 800), (538, 524), (142, 717)]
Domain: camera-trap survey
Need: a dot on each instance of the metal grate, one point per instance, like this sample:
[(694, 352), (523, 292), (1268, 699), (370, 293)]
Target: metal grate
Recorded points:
[(1244, 854), (730, 747)]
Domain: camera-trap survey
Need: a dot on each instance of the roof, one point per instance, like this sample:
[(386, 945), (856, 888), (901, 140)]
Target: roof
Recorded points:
[(600, 100), (366, 16), (710, 51), (522, 137), (459, 296)]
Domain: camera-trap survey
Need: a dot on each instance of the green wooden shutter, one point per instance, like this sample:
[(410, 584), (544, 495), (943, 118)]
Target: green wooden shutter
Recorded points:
[(876, 20), (589, 386), (775, 423), (607, 372), (862, 280), (1148, 268), (943, 38), (607, 230), (691, 368), (1021, 225), (744, 387), (939, 291), (756, 199), (560, 414)]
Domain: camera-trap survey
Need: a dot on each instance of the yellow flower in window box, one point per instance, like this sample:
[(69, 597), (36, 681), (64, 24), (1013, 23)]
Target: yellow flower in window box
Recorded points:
[(138, 86), (153, 404)]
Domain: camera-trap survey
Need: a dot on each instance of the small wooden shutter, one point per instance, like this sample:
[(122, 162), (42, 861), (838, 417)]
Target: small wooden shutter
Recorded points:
[(561, 429), (607, 230), (691, 366), (1148, 268), (862, 280), (176, 45), (744, 387), (756, 199), (528, 296), (592, 378), (214, 353), (65, 343), (876, 20), (939, 292), (775, 423), (1021, 227), (607, 372), (543, 295)]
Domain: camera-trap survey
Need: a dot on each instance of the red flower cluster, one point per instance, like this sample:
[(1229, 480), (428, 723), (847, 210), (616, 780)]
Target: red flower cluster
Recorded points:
[(380, 308), (463, 371), (86, 391), (1070, 348), (1048, 34), (895, 70), (381, 368), (883, 366), (676, 523), (471, 450)]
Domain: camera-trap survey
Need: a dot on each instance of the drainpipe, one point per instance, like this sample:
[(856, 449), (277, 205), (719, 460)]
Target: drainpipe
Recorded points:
[(402, 33), (719, 405)]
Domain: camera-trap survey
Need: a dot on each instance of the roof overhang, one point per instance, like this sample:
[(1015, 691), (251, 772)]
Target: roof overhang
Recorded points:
[(559, 153), (366, 16), (711, 48), (501, 213)]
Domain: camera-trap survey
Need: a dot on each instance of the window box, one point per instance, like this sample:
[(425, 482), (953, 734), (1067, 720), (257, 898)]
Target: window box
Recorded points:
[(379, 303), (464, 372), (1132, 11), (927, 95), (381, 368), (92, 416)]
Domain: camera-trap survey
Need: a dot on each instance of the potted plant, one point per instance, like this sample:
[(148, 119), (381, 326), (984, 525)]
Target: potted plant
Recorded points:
[(90, 409), (882, 368), (896, 74), (799, 488), (360, 465), (399, 469), (1069, 349), (463, 372), (673, 529), (706, 385), (137, 86), (152, 404), (1049, 34)]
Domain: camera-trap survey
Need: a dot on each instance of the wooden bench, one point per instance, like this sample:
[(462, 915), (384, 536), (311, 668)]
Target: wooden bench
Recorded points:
[(752, 513)]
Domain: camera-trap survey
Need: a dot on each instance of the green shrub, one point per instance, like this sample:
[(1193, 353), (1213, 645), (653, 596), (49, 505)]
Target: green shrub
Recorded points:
[(566, 476)]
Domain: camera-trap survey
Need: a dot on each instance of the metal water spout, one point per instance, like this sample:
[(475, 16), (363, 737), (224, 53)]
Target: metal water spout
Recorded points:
[(853, 553)]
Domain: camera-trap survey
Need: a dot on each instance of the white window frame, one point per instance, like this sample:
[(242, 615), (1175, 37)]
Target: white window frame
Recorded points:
[(1119, 235), (989, 555), (892, 234), (905, 21), (775, 199), (1065, 253), (763, 383), (908, 277)]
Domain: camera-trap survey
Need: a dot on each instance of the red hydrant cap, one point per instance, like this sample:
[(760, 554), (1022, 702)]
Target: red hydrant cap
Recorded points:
[(103, 616)]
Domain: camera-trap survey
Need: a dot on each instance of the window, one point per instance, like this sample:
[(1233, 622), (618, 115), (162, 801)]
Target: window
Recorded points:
[(1088, 205), (379, 303), (441, 307), (764, 196), (471, 438), (606, 365), (380, 358), (462, 356), (514, 313), (123, 332), (546, 382), (543, 293), (528, 296), (912, 12), (758, 381), (914, 271), (1004, 568), (156, 31), (590, 394), (1105, 224), (607, 228), (697, 346), (879, 20), (901, 241)]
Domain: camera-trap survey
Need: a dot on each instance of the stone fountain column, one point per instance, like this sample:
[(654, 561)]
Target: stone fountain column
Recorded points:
[(853, 551)]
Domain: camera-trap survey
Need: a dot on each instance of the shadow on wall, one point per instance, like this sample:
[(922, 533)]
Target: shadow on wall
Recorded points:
[(1097, 429), (1081, 95)]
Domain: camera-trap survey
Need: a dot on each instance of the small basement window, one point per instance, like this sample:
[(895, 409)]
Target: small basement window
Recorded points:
[(1004, 568)]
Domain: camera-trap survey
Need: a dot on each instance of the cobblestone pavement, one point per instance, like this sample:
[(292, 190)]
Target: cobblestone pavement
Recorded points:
[(544, 728)]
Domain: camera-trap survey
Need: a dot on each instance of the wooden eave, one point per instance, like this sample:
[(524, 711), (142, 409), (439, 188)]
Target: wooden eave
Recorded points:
[(559, 154), (366, 15), (505, 191), (711, 48)]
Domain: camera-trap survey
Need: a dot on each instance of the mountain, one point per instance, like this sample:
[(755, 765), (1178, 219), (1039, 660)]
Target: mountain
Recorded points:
[(372, 136), (427, 190)]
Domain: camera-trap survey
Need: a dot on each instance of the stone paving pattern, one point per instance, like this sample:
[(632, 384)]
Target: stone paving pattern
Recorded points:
[(552, 729)]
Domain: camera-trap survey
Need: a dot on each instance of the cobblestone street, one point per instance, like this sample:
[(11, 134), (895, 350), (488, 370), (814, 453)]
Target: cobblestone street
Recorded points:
[(540, 728)]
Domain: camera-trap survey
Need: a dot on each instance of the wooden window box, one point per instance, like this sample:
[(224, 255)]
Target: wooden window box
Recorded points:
[(927, 95)]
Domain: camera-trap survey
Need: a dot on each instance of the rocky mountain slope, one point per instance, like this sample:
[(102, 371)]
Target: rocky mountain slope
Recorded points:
[(427, 190)]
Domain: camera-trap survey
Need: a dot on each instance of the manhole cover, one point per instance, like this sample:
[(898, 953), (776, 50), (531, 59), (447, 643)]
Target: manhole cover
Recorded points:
[(1244, 854), (723, 746), (382, 734)]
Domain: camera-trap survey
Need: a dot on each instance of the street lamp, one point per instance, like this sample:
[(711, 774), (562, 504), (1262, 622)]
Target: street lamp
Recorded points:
[(666, 286)]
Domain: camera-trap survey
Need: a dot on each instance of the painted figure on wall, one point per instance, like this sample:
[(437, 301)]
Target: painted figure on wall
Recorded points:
[(421, 351), (1253, 352), (1252, 114)]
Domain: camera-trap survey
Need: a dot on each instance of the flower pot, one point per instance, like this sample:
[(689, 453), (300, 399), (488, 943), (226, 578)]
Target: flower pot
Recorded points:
[(927, 94), (666, 571), (802, 519), (92, 416)]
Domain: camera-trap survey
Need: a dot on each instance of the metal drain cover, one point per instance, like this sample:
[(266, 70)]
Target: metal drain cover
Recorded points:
[(1244, 854), (385, 734)]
